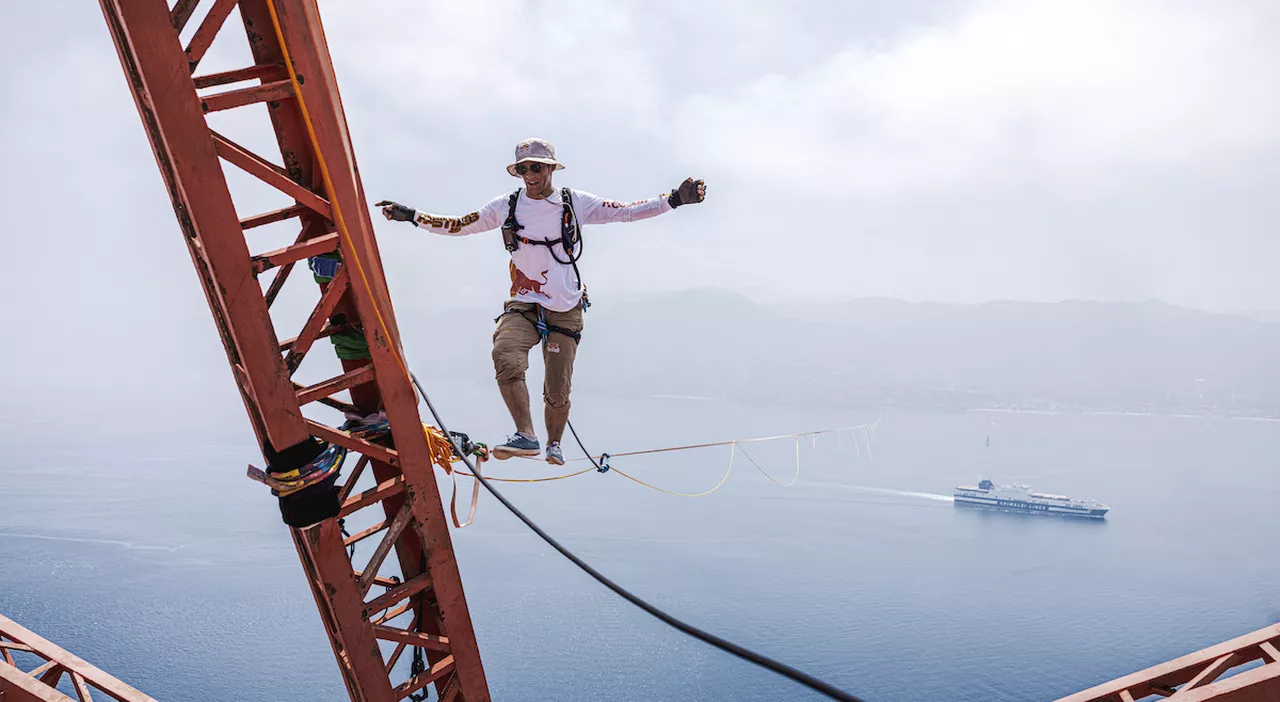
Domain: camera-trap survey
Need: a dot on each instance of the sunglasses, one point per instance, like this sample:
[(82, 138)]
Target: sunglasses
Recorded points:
[(535, 167)]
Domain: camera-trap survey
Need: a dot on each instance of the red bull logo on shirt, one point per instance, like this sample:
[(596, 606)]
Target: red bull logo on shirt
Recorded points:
[(521, 283)]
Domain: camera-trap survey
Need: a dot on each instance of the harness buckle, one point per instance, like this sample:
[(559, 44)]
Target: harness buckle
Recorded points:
[(544, 330), (510, 237)]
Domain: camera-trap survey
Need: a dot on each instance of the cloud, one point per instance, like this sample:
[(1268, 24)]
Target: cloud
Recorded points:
[(1079, 98), (504, 63), (954, 150)]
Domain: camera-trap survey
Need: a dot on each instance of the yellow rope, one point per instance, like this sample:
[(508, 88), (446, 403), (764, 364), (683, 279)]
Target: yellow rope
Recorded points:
[(528, 480), (439, 448), (328, 184), (442, 454), (735, 444), (794, 478), (680, 494), (727, 442)]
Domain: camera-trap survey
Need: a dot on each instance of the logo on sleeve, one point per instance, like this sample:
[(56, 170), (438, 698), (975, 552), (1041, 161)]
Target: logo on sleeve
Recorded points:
[(453, 224)]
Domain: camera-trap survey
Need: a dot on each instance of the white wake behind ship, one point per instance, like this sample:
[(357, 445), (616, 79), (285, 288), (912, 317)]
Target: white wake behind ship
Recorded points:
[(1020, 498)]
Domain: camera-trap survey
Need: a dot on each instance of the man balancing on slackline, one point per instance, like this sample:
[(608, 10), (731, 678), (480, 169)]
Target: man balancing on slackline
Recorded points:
[(541, 228)]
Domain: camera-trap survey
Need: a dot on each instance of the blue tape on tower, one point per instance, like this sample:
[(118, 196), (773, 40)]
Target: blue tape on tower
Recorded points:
[(324, 266)]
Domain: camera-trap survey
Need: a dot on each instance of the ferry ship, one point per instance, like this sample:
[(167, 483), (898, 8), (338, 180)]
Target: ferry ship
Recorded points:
[(1020, 498)]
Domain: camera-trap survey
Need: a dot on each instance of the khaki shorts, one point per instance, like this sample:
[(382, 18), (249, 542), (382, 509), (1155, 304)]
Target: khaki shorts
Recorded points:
[(516, 334)]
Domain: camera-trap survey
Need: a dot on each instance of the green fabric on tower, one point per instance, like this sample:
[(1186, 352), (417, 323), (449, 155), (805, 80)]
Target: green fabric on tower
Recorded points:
[(350, 346)]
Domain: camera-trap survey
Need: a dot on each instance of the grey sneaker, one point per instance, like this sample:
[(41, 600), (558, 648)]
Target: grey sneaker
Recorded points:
[(518, 445), (554, 454)]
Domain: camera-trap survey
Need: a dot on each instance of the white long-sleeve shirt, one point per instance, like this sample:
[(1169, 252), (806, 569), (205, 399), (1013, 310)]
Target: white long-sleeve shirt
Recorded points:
[(536, 276)]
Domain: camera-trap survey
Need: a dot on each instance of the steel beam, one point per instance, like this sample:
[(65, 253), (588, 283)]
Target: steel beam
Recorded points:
[(38, 684), (291, 63), (1197, 677), (230, 99), (269, 72)]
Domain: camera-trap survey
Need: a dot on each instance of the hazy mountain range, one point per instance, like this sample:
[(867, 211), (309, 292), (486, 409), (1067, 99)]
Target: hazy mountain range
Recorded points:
[(1150, 356)]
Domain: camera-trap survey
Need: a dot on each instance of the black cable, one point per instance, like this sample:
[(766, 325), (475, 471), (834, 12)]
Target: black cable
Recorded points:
[(584, 448), (727, 646), (342, 526), (572, 237)]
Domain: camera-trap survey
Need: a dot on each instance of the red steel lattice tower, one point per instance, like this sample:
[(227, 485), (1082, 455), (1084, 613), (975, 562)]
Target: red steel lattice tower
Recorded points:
[(292, 74)]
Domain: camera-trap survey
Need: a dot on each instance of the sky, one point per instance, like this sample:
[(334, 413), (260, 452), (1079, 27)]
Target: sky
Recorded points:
[(955, 151)]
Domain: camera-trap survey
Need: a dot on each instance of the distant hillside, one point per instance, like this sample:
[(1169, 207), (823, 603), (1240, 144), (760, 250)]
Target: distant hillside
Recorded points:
[(880, 352), (1269, 316)]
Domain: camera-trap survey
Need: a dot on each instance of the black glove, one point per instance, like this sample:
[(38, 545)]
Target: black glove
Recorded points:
[(690, 191), (397, 212)]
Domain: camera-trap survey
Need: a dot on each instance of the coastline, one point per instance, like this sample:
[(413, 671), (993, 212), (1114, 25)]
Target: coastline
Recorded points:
[(1120, 413)]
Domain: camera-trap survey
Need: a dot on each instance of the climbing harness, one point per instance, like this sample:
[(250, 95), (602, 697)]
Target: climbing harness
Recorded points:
[(544, 328), (570, 236), (570, 233)]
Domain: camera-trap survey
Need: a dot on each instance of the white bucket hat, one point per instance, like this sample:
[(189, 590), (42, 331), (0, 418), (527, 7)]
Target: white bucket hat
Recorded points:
[(537, 151)]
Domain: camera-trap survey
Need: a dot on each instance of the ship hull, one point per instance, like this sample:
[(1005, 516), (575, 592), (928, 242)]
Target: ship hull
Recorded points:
[(1023, 507)]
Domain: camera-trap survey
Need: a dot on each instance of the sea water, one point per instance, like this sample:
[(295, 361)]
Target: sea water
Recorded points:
[(141, 546)]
